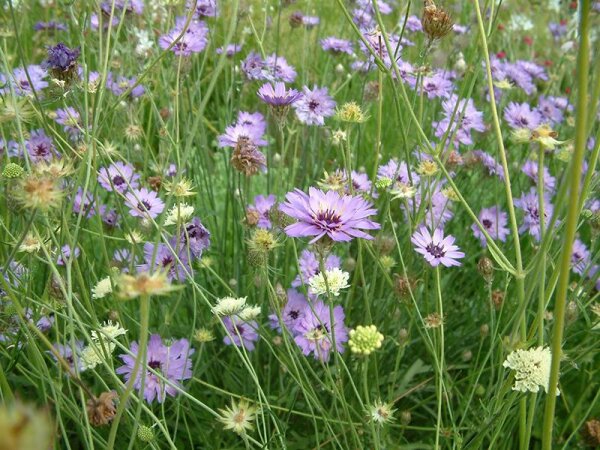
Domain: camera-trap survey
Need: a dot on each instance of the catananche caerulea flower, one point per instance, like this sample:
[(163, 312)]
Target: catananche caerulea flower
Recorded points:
[(277, 95), (118, 177), (193, 38), (40, 146), (435, 248), (319, 214), (494, 220), (259, 212), (144, 203), (520, 115), (291, 314), (70, 119), (243, 333), (159, 257), (580, 257), (172, 362), (316, 333), (530, 168), (337, 45), (529, 204), (195, 236), (314, 105), (465, 119), (120, 84)]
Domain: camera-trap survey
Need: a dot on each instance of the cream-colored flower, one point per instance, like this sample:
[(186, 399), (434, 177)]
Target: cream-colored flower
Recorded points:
[(179, 214), (228, 306), (239, 417), (102, 288), (332, 281), (532, 368)]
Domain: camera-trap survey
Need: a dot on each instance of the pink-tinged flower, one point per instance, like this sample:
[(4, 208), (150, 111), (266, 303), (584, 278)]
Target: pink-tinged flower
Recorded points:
[(436, 249), (261, 208), (243, 334), (314, 105), (529, 204), (494, 220), (337, 45), (144, 203), (118, 177), (193, 38), (172, 362), (314, 331), (319, 214), (278, 95)]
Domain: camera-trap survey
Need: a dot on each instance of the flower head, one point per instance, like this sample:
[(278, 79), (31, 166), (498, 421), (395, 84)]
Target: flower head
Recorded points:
[(238, 418), (495, 221), (331, 281), (62, 61), (277, 95), (241, 333), (365, 339), (319, 214), (171, 362), (144, 203), (118, 177), (532, 368), (435, 248), (314, 105), (228, 306), (102, 288)]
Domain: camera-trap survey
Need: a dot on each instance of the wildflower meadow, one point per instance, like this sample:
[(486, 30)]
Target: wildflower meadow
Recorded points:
[(299, 224)]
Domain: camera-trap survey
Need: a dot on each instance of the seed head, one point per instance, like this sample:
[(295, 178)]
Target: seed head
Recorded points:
[(12, 170), (101, 410), (40, 192), (436, 22), (145, 433), (351, 112)]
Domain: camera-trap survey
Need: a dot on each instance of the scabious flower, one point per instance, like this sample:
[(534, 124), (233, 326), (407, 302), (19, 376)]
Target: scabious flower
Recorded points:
[(23, 85), (238, 418), (381, 413), (494, 220), (102, 288), (143, 283), (364, 340), (316, 332), (529, 204), (40, 146), (397, 173), (532, 369), (252, 66), (319, 214), (438, 84), (291, 314), (193, 38), (331, 281), (276, 68), (580, 257), (314, 105), (179, 213), (228, 306), (336, 45), (144, 203), (520, 115), (530, 168), (243, 334), (171, 362), (309, 266), (435, 248), (258, 214), (118, 177)]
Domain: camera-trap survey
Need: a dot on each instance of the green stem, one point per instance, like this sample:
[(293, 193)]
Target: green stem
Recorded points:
[(144, 321), (571, 220), (440, 377)]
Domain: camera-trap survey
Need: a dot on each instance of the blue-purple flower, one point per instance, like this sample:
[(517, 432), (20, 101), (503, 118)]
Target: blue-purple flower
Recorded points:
[(520, 115), (40, 146), (319, 214), (144, 203), (530, 206), (495, 221), (172, 362), (259, 212), (435, 248), (291, 314), (336, 45), (243, 333), (118, 177), (182, 40), (314, 105)]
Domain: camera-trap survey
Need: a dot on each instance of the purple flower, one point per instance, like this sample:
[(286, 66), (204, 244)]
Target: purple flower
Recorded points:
[(229, 50), (316, 333), (493, 167), (336, 45), (50, 26), (494, 220), (40, 146), (436, 249), (144, 203), (110, 217), (319, 214), (549, 110), (26, 86), (161, 257), (121, 84), (313, 106), (86, 205), (124, 260), (520, 115), (237, 134), (61, 58), (529, 204), (398, 173), (278, 95), (466, 119), (172, 362), (71, 121), (413, 23), (360, 182), (580, 257), (253, 66), (256, 121), (243, 334), (309, 266), (276, 68), (196, 236), (310, 21), (437, 85), (262, 207), (70, 353), (530, 168), (66, 253), (437, 208), (534, 70), (291, 314), (193, 38), (203, 8), (118, 177)]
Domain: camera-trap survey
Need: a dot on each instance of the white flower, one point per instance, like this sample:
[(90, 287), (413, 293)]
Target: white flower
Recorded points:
[(102, 288), (336, 278), (228, 306), (95, 354), (109, 330), (520, 22), (134, 237), (532, 369), (30, 244), (144, 44), (179, 214), (249, 313)]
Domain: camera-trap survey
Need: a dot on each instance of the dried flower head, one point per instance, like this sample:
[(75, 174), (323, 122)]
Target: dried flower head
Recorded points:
[(40, 192), (436, 22), (590, 433), (30, 244), (101, 410), (246, 158), (433, 320), (238, 417)]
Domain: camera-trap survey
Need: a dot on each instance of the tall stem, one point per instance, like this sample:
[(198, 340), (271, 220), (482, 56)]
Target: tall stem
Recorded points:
[(571, 220), (440, 377)]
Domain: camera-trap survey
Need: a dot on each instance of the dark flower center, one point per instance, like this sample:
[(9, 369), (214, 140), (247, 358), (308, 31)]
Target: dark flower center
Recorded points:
[(166, 261), (436, 251), (329, 219), (154, 364), (144, 205), (40, 150), (312, 105), (487, 223), (294, 314), (118, 180)]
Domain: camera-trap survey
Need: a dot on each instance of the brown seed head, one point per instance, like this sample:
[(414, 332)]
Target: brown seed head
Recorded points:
[(101, 410), (436, 21)]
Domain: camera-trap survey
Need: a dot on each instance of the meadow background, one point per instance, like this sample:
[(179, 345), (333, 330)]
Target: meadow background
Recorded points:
[(131, 159)]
